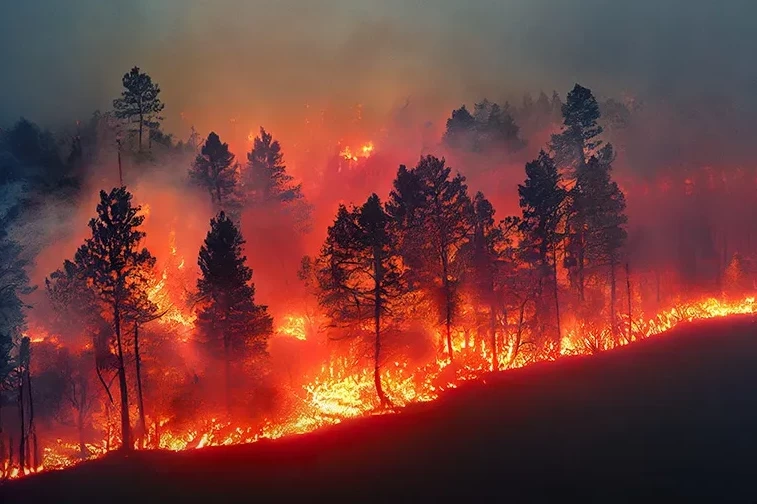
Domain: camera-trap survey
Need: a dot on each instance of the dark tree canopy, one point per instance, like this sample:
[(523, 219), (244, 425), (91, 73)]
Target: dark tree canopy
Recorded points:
[(139, 103), (490, 127), (266, 177), (433, 213), (578, 139), (542, 198), (229, 318), (14, 284), (116, 268), (214, 169)]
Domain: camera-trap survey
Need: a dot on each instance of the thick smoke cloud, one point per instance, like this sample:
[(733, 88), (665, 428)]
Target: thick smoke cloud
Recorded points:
[(264, 62)]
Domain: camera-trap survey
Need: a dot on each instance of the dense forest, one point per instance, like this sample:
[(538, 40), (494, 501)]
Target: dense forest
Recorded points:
[(166, 293)]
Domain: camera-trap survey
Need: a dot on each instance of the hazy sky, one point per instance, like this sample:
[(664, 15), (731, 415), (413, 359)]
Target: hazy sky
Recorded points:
[(240, 58)]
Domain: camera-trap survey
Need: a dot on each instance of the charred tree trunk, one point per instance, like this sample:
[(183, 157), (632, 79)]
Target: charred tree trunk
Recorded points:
[(22, 438), (32, 427), (518, 334), (141, 124), (377, 301), (613, 327), (227, 371), (142, 427), (628, 295), (557, 297), (493, 336), (83, 453), (126, 443)]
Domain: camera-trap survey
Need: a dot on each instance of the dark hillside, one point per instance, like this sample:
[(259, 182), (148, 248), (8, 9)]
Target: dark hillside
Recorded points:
[(670, 418)]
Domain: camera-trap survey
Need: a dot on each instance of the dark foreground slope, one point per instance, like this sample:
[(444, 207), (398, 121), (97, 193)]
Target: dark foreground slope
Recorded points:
[(673, 417)]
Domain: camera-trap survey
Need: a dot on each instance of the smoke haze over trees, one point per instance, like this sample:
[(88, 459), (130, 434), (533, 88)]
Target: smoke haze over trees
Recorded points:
[(534, 223)]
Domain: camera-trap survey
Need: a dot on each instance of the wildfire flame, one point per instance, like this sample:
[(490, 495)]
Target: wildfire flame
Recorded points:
[(364, 152), (338, 392)]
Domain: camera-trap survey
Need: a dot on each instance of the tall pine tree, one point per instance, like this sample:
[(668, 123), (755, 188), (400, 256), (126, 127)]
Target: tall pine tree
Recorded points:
[(139, 103), (359, 276), (433, 213), (214, 170), (114, 265), (542, 201), (266, 178), (232, 324)]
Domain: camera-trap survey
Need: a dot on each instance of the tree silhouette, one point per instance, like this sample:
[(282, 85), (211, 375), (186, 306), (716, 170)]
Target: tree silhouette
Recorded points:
[(359, 275), (231, 322), (139, 103), (214, 170), (572, 148), (266, 177), (602, 206), (542, 201), (433, 213), (489, 263), (114, 265)]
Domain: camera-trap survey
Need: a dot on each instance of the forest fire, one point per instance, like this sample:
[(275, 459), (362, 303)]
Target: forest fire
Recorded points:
[(150, 330), (339, 394)]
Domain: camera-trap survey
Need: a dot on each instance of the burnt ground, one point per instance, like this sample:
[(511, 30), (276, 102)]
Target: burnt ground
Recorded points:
[(673, 418)]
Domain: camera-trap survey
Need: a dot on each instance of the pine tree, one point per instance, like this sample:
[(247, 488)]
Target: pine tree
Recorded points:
[(460, 128), (602, 205), (114, 265), (572, 148), (433, 213), (359, 275), (542, 201), (232, 324), (266, 178), (139, 102), (214, 170), (578, 140), (487, 263)]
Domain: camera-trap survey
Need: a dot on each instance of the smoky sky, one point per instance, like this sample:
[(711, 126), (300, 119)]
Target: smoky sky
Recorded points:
[(236, 58)]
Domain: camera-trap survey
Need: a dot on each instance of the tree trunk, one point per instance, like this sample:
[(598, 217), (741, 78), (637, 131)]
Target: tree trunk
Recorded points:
[(22, 442), (141, 122), (227, 371), (493, 336), (126, 443), (613, 328), (557, 298), (80, 427), (518, 334), (32, 427), (628, 294), (378, 275), (142, 427)]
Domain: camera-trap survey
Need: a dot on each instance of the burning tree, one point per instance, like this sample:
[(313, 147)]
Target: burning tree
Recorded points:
[(359, 275), (115, 266), (14, 284), (601, 205), (542, 201), (214, 170), (267, 182), (231, 323), (489, 263), (139, 102), (433, 213)]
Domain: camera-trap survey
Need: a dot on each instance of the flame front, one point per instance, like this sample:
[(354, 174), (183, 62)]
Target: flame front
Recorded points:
[(338, 391)]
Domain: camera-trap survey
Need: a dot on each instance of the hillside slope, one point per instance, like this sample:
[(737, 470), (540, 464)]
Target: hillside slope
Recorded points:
[(673, 417)]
